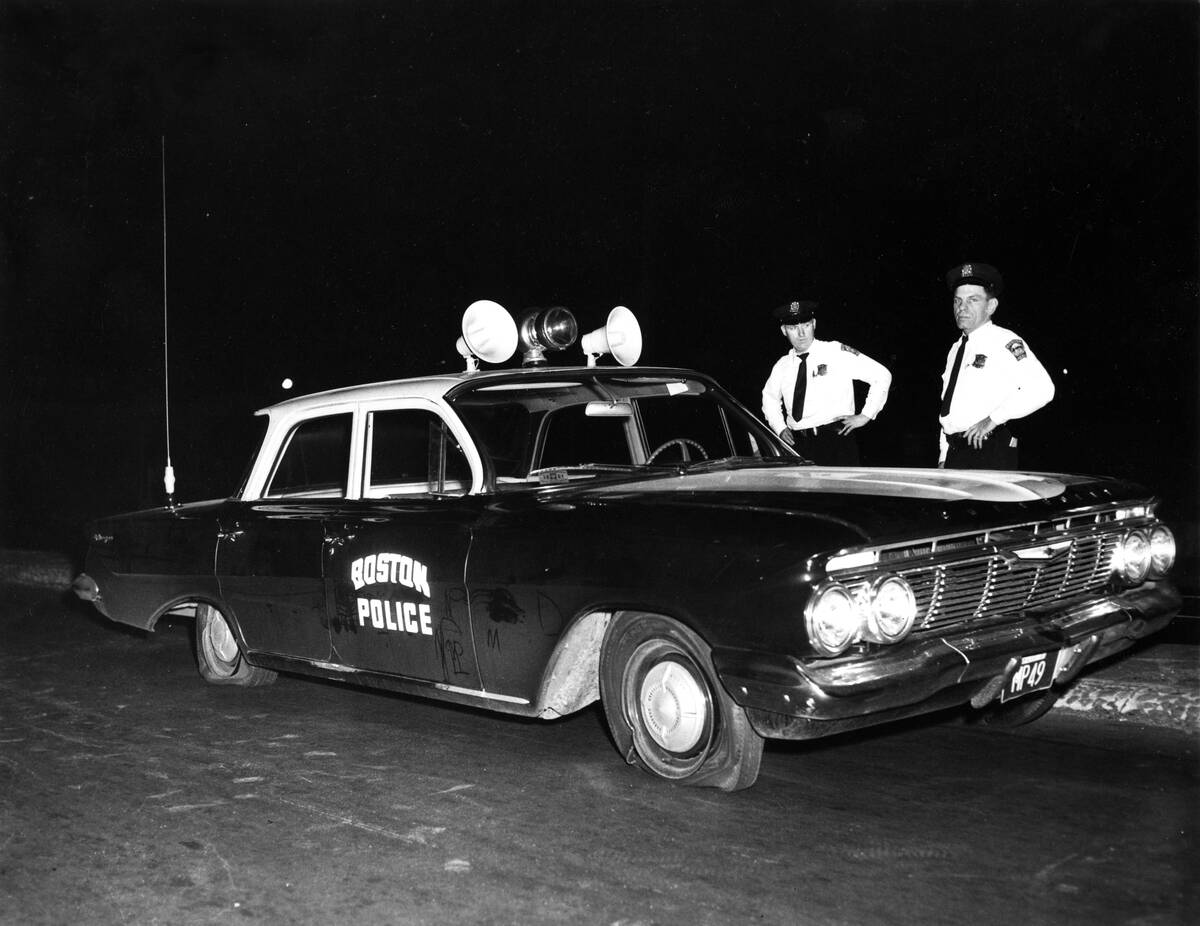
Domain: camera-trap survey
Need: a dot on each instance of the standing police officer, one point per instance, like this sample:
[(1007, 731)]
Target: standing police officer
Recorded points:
[(991, 377), (808, 399)]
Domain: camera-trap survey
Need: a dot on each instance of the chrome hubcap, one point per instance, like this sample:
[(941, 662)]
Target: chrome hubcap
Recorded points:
[(221, 640), (674, 706)]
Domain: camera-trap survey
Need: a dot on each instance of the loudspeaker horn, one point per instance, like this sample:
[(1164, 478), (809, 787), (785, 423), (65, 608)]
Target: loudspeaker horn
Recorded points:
[(621, 336), (488, 333)]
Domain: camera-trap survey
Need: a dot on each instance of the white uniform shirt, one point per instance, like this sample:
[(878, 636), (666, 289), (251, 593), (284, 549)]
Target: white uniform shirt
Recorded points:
[(832, 369), (1000, 378)]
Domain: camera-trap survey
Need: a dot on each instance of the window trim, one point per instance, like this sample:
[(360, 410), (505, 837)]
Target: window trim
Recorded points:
[(361, 442), (285, 445)]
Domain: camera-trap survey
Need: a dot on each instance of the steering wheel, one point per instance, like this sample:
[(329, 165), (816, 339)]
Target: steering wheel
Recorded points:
[(683, 443)]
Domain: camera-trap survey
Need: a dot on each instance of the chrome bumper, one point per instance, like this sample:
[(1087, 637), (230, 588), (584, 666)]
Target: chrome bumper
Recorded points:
[(788, 698)]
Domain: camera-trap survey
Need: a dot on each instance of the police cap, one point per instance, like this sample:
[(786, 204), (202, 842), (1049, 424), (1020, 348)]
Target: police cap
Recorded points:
[(983, 275), (795, 313)]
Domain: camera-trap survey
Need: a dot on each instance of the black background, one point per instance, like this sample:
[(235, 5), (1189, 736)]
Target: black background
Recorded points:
[(343, 179)]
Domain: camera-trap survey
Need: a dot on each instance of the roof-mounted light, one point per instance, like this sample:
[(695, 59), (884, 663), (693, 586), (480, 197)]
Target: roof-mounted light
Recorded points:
[(488, 333), (546, 329), (621, 336)]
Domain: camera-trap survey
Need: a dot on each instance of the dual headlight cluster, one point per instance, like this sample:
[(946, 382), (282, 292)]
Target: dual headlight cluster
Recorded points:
[(883, 611), (840, 614), (1144, 552)]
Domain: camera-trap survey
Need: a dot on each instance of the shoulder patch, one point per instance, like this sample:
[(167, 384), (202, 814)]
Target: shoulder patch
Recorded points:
[(850, 350), (1016, 347)]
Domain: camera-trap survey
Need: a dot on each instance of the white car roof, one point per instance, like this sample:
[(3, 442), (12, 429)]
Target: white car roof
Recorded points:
[(431, 387), (434, 387)]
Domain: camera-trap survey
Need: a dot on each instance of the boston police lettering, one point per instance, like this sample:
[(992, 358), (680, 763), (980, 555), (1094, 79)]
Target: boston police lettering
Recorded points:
[(385, 614)]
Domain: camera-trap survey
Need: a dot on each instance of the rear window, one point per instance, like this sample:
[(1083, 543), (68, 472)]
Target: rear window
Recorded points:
[(315, 460)]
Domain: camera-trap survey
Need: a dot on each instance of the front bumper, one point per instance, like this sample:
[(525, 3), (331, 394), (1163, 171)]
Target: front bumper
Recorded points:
[(789, 698)]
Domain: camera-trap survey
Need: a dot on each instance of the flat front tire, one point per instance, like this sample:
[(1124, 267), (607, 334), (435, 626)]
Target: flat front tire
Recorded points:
[(666, 710), (218, 655)]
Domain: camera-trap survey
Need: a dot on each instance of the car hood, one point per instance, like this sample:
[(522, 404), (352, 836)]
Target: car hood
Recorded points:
[(944, 485), (865, 504)]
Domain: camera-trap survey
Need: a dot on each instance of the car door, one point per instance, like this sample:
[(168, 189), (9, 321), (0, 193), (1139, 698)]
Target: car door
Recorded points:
[(270, 551), (395, 557)]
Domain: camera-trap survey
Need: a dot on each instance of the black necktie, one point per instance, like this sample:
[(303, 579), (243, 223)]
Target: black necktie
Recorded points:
[(949, 396), (801, 386)]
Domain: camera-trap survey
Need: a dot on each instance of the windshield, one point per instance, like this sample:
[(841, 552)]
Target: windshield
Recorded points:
[(554, 427)]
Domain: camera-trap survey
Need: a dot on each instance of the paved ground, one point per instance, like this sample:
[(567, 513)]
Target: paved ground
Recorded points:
[(131, 792)]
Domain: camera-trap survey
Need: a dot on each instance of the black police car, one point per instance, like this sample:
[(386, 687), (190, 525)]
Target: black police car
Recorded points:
[(531, 540)]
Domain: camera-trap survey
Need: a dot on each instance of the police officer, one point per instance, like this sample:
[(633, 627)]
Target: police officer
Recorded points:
[(808, 399), (991, 377)]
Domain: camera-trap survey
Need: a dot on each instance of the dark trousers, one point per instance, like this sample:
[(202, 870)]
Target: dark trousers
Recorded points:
[(826, 446), (999, 451)]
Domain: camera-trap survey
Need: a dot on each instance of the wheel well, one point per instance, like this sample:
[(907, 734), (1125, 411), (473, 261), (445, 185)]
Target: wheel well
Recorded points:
[(183, 608), (188, 607), (572, 678)]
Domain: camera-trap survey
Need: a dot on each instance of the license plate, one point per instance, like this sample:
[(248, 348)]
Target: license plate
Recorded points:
[(1033, 673)]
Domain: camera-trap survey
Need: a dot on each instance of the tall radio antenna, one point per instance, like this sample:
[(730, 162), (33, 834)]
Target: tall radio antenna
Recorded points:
[(169, 472)]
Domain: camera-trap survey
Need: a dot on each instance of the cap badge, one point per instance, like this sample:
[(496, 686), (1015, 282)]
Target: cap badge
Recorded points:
[(795, 306), (967, 270)]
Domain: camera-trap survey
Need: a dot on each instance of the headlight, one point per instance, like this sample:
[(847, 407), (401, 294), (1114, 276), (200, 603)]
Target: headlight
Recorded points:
[(1132, 561), (1162, 550), (833, 619), (893, 608)]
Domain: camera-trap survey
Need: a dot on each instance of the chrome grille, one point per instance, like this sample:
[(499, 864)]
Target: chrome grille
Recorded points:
[(980, 578), (986, 587)]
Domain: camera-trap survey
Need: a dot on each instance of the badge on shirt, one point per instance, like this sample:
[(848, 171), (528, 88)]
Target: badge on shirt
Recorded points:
[(821, 370), (979, 361), (1016, 348), (850, 350)]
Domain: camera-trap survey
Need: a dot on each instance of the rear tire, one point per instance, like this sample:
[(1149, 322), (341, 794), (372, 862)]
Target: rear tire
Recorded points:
[(668, 713), (218, 655)]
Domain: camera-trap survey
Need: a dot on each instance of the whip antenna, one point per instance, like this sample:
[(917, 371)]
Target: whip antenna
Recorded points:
[(169, 471)]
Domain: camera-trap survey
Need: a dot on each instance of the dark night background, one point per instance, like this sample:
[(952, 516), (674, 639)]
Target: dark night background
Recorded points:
[(343, 179)]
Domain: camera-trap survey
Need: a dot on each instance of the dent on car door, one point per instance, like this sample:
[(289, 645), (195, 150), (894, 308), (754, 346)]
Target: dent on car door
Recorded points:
[(395, 558)]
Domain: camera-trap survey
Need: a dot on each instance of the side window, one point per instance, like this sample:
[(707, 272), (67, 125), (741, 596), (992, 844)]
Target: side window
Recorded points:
[(315, 460), (413, 452)]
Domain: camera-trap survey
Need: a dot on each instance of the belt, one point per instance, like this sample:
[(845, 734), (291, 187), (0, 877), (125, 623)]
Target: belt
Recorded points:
[(833, 426)]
